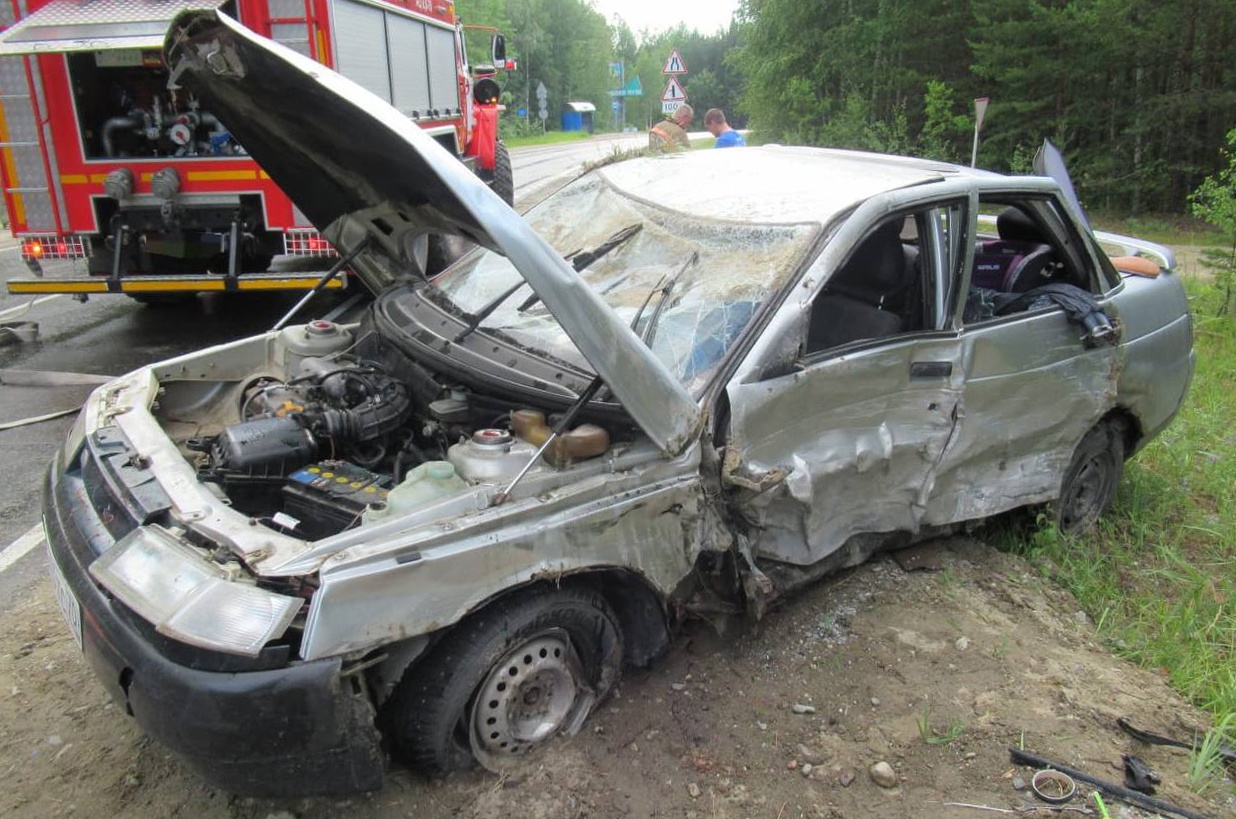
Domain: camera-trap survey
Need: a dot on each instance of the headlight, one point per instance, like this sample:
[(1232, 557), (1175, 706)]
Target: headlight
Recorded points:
[(186, 597)]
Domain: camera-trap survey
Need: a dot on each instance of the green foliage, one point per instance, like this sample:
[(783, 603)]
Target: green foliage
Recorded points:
[(1215, 201), (944, 130), (933, 737), (1206, 763)]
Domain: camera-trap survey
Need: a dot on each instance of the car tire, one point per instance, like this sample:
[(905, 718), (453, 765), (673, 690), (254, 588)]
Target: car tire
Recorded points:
[(1090, 482), (506, 681), (503, 182)]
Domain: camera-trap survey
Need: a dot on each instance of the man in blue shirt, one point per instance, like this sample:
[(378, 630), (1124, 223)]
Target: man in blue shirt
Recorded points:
[(726, 136)]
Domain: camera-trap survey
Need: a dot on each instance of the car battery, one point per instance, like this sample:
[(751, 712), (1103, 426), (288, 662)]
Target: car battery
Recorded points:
[(329, 496)]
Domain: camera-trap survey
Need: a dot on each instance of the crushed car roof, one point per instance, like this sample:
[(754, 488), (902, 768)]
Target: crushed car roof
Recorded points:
[(773, 184)]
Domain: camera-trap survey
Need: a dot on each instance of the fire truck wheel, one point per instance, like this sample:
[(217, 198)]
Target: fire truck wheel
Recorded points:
[(503, 182)]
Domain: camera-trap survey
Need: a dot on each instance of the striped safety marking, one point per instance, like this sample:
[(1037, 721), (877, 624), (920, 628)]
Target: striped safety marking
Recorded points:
[(171, 284)]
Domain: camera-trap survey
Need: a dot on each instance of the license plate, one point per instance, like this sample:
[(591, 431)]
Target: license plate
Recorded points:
[(69, 606)]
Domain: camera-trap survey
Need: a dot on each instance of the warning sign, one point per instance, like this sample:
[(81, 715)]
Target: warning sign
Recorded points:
[(674, 92), (673, 96), (674, 65)]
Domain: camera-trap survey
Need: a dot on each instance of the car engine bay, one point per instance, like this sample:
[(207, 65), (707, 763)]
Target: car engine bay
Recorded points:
[(351, 431)]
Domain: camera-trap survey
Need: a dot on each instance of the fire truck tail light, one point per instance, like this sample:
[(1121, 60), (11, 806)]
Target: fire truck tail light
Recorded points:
[(36, 248), (306, 243)]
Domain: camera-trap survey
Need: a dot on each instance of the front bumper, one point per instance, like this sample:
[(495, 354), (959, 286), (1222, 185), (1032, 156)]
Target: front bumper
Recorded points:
[(297, 730)]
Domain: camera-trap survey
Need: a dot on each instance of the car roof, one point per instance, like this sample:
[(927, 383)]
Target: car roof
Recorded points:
[(773, 184)]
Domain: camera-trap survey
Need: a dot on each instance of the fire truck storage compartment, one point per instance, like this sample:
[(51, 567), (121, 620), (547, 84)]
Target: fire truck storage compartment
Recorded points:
[(124, 109), (407, 62)]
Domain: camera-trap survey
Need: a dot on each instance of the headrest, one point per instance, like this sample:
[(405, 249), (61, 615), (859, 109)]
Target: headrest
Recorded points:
[(1015, 225), (878, 265)]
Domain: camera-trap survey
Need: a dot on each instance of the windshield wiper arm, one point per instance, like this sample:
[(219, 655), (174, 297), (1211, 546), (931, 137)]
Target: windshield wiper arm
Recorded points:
[(650, 330), (585, 258), (486, 311)]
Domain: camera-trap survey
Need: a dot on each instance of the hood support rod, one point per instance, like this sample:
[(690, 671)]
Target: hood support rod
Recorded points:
[(564, 423), (335, 270)]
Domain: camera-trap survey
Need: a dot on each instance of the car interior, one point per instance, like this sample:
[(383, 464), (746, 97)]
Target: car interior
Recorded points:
[(875, 294)]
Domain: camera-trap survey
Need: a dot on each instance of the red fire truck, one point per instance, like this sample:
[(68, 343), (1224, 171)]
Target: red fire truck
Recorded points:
[(103, 160)]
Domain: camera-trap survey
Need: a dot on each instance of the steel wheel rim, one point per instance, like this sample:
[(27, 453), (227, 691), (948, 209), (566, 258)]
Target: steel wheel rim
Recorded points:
[(1090, 487), (526, 699)]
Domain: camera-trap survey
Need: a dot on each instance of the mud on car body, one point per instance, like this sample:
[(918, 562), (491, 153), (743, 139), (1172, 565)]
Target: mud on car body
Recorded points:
[(681, 385)]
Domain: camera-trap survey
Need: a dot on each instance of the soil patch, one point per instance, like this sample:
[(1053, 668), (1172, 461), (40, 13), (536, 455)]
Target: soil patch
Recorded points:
[(935, 673)]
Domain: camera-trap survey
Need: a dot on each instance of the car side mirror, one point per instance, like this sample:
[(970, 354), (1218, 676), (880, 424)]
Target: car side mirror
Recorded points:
[(497, 49)]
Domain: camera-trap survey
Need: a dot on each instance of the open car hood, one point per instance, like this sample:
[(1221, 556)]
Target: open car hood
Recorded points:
[(372, 182)]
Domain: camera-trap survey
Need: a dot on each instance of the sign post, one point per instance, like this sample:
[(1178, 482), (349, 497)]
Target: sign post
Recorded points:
[(542, 110), (980, 108)]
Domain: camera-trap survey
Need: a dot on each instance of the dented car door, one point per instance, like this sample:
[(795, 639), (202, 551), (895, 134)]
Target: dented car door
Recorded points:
[(1033, 385), (849, 441)]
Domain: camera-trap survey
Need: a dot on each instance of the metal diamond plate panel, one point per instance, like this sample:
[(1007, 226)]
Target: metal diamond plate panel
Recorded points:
[(67, 25), (27, 181)]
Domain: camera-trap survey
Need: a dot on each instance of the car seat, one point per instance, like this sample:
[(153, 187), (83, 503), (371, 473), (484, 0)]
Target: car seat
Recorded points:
[(858, 302), (1018, 261)]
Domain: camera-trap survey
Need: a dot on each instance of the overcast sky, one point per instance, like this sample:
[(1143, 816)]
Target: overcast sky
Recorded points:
[(705, 16)]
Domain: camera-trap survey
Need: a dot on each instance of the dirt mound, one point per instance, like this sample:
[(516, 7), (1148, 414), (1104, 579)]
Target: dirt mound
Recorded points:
[(935, 673)]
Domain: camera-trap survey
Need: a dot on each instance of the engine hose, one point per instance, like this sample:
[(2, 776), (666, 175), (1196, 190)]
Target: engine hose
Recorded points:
[(368, 420)]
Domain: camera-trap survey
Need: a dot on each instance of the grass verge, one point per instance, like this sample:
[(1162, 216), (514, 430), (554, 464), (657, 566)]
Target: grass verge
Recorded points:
[(547, 138), (1159, 576)]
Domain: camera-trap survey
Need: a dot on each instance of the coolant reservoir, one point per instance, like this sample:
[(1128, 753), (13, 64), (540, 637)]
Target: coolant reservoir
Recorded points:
[(431, 481), (313, 340), (491, 456)]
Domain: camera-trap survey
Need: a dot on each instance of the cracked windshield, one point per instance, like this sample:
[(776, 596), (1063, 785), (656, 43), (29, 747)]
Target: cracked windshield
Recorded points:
[(687, 287)]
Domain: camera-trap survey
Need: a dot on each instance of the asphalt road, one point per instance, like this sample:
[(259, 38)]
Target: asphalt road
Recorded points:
[(111, 335)]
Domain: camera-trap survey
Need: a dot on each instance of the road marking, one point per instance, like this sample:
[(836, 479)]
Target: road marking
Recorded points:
[(21, 547), (14, 310)]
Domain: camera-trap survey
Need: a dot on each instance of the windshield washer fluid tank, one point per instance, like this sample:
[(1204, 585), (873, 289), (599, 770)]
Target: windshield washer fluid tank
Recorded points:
[(431, 481)]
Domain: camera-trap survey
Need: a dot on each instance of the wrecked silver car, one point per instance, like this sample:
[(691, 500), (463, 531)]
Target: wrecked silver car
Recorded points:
[(679, 386)]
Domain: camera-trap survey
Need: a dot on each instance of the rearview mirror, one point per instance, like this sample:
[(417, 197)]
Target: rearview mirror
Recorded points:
[(498, 49)]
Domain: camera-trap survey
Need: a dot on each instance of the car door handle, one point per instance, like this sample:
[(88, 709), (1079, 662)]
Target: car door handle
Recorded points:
[(931, 369)]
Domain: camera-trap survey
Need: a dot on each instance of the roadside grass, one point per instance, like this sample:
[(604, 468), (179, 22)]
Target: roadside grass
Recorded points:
[(547, 138), (1166, 229), (1159, 575)]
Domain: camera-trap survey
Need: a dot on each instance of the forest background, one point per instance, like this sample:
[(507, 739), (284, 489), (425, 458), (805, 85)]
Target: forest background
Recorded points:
[(1138, 93)]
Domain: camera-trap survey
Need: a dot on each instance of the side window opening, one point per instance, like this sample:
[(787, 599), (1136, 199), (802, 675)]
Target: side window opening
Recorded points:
[(878, 292), (1025, 253)]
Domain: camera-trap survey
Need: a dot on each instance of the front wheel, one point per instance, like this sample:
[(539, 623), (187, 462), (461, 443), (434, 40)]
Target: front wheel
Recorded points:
[(506, 681), (1090, 483)]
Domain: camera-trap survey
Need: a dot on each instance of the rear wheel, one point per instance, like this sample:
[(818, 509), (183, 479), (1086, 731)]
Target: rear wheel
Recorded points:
[(506, 681), (1090, 483), (503, 182)]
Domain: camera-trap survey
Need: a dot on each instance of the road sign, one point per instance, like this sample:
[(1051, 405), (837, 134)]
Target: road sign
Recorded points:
[(541, 93), (675, 64), (632, 89), (674, 92), (980, 109)]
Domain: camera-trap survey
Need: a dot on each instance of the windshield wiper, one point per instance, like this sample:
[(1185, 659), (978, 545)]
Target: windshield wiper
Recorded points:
[(486, 311), (650, 330), (585, 258), (582, 259), (579, 261)]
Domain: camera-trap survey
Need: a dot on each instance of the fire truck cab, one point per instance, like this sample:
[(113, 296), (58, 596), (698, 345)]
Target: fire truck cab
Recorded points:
[(104, 159)]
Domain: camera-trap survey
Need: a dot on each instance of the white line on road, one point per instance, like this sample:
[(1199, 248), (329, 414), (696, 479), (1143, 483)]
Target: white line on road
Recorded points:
[(14, 310), (21, 547)]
